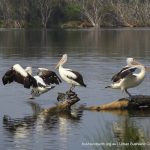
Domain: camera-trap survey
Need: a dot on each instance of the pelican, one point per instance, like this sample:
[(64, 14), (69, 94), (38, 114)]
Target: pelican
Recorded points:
[(45, 79), (40, 83), (72, 77), (127, 78)]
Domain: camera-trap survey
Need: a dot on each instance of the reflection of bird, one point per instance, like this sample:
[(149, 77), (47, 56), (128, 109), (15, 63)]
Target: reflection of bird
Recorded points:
[(72, 77), (44, 78), (40, 83), (126, 78)]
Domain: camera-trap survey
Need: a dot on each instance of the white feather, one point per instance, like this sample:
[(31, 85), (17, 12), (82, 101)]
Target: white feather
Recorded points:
[(67, 75), (70, 74), (42, 69), (28, 70), (40, 90), (20, 70), (40, 80)]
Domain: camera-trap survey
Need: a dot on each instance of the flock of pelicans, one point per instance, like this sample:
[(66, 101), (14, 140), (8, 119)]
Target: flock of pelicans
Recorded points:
[(46, 80)]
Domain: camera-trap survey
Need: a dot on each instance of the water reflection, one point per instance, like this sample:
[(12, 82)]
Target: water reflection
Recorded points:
[(127, 133), (97, 54), (35, 43), (20, 129), (130, 113)]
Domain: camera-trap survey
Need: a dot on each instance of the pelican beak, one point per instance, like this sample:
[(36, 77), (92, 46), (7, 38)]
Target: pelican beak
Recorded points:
[(58, 64), (138, 63), (56, 67), (135, 62), (62, 61)]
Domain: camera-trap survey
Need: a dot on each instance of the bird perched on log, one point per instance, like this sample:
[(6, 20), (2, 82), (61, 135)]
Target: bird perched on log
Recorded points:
[(127, 77), (39, 84), (72, 77)]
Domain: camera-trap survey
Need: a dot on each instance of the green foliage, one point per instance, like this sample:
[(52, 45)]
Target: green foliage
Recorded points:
[(2, 24), (72, 12)]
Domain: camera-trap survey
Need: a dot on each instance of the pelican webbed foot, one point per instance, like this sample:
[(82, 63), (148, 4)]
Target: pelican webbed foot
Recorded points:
[(31, 97)]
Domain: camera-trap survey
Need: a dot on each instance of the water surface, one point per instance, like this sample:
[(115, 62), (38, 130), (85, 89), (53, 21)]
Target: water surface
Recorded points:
[(95, 54)]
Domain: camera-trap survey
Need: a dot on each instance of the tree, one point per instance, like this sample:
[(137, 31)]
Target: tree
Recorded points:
[(6, 10), (93, 10), (133, 12), (46, 8)]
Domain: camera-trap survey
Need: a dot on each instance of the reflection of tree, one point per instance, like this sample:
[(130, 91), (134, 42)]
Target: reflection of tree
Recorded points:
[(127, 131), (124, 134), (29, 43)]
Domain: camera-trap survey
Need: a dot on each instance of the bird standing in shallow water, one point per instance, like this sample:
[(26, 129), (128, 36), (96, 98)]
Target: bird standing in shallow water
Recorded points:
[(127, 78), (72, 77)]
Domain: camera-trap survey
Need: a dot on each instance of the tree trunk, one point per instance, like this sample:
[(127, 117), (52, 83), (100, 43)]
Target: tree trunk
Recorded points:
[(137, 102)]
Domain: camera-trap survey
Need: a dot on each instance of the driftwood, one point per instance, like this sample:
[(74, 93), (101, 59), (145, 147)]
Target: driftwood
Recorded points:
[(65, 101), (137, 102)]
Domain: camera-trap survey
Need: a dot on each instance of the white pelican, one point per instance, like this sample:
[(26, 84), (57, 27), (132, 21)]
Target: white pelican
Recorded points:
[(72, 77), (40, 83), (44, 78), (127, 78)]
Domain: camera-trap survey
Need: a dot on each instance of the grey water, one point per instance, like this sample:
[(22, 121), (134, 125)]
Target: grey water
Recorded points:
[(97, 55)]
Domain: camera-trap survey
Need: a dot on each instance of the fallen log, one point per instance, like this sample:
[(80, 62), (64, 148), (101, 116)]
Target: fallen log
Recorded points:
[(137, 102)]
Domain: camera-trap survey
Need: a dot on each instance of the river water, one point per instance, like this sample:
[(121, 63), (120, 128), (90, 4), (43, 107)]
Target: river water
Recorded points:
[(97, 55)]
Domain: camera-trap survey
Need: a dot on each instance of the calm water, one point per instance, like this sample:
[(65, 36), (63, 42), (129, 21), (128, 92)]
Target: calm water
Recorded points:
[(97, 55)]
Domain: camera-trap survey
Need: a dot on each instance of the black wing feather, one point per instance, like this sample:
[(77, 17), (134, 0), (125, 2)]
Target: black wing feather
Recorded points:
[(123, 73), (79, 78), (49, 77), (8, 77), (11, 75)]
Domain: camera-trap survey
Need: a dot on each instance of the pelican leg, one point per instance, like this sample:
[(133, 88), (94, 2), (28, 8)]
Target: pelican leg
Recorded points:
[(32, 94), (124, 93), (71, 88), (130, 96)]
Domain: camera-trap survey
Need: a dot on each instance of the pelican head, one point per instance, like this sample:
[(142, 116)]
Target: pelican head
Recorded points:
[(129, 61), (62, 61), (28, 70), (132, 61)]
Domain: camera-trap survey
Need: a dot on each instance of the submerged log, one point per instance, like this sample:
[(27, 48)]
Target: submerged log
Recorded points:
[(137, 102)]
